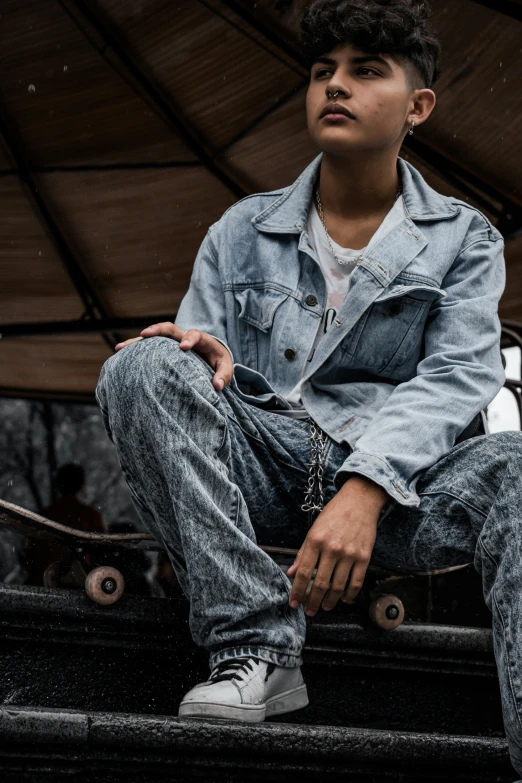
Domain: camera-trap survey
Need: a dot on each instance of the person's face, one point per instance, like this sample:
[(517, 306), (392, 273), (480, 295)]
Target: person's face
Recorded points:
[(374, 88)]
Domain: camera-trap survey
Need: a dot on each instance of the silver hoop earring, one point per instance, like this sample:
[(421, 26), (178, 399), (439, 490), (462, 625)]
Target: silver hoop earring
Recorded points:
[(411, 129)]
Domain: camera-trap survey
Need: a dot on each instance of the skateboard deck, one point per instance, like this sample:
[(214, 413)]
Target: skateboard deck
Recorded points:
[(104, 585), (36, 526), (31, 524), (381, 595)]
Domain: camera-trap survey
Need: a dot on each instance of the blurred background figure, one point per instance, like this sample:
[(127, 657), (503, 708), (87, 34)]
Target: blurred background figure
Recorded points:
[(69, 510)]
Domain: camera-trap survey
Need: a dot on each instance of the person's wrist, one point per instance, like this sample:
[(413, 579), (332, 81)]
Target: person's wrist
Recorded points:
[(366, 487)]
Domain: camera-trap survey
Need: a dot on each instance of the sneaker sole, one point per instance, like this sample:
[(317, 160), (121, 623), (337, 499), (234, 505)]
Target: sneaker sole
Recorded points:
[(288, 701)]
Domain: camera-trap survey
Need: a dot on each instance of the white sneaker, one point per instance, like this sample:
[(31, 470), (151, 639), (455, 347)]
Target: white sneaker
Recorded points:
[(246, 689)]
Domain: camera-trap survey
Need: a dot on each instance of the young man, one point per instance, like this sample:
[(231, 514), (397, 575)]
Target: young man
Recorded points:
[(356, 309)]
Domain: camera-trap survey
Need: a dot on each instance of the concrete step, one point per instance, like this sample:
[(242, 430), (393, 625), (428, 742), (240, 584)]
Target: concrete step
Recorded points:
[(419, 686), (38, 746)]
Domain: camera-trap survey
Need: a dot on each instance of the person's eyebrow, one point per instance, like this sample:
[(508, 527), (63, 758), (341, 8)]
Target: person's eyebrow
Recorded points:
[(358, 60)]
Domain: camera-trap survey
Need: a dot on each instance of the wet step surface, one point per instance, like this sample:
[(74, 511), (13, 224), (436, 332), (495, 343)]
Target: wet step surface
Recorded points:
[(37, 745), (418, 703)]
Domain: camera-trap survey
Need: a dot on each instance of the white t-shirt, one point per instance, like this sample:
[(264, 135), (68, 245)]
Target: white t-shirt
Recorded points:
[(337, 279)]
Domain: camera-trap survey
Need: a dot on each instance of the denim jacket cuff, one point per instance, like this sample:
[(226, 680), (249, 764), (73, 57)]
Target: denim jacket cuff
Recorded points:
[(376, 468)]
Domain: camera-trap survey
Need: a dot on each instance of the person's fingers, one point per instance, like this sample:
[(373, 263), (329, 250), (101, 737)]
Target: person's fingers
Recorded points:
[(164, 329), (356, 581), (304, 573), (211, 350), (338, 584), (191, 338), (124, 344), (214, 353), (320, 584), (295, 565), (224, 368)]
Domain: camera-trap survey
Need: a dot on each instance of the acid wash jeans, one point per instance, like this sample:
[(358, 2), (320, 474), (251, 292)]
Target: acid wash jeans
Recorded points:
[(210, 475)]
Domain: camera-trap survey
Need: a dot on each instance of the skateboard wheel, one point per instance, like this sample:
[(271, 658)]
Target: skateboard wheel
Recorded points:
[(387, 612), (105, 585), (54, 572)]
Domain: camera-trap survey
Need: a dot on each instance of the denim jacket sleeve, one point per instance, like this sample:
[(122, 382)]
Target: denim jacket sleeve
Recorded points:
[(459, 375), (203, 305)]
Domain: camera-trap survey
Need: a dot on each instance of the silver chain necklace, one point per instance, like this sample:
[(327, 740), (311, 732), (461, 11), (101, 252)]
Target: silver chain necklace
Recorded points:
[(320, 210)]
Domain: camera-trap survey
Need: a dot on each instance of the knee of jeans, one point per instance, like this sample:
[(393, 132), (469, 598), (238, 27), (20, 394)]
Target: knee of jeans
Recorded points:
[(128, 367), (145, 362)]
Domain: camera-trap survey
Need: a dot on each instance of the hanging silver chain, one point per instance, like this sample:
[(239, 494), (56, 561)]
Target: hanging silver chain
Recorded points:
[(314, 496), (320, 211)]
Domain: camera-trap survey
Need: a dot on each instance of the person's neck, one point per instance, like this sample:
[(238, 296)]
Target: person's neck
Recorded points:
[(355, 188)]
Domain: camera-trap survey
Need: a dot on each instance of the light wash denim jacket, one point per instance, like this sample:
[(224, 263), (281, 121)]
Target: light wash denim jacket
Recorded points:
[(414, 354)]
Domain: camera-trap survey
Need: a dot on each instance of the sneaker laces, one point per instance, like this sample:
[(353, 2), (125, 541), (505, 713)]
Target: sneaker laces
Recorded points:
[(234, 668)]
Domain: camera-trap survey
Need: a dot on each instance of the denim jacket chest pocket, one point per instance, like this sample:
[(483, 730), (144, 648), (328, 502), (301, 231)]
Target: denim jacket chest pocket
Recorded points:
[(255, 312), (388, 337)]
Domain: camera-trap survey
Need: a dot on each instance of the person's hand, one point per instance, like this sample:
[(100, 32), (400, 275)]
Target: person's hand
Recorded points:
[(211, 350), (339, 544)]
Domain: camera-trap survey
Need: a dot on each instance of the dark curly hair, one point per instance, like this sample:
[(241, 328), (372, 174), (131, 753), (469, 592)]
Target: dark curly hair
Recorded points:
[(399, 28)]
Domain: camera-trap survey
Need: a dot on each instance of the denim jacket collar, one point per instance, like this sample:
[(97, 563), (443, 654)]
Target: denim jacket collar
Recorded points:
[(288, 214), (380, 264)]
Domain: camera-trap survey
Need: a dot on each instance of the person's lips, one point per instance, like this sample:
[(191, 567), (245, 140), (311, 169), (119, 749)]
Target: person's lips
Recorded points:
[(336, 108)]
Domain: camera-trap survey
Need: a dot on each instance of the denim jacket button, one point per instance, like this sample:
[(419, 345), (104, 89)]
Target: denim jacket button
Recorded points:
[(311, 300), (290, 353)]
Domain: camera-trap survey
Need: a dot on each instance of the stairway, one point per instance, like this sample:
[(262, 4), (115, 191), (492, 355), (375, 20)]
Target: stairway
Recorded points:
[(90, 693)]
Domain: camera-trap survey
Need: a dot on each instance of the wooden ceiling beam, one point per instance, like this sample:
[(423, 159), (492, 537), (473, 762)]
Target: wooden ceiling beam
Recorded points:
[(451, 172), (509, 215), (261, 118), (506, 7), (74, 169), (162, 102), (81, 326), (86, 292), (300, 70), (80, 398), (268, 31)]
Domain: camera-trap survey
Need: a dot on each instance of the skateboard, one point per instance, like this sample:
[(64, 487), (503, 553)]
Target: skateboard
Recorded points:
[(387, 597), (103, 584)]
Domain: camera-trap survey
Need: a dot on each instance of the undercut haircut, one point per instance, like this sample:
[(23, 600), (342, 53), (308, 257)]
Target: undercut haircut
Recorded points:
[(398, 28)]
